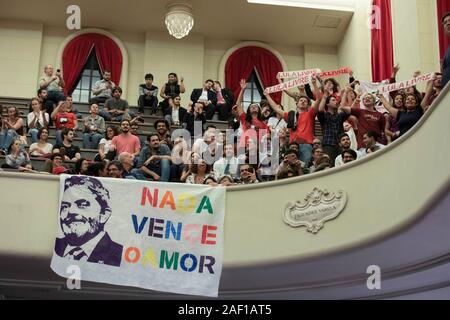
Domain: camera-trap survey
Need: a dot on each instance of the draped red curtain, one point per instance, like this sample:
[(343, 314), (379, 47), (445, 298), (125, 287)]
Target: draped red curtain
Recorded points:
[(77, 52), (242, 62), (443, 6), (382, 44)]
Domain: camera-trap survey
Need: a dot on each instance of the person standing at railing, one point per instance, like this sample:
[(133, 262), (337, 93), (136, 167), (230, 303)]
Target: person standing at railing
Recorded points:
[(446, 61)]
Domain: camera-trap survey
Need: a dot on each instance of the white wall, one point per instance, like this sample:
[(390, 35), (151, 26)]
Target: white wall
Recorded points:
[(20, 50), (194, 57), (354, 50), (416, 45)]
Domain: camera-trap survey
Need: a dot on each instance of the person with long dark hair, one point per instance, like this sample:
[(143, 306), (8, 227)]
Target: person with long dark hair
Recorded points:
[(171, 88), (12, 128)]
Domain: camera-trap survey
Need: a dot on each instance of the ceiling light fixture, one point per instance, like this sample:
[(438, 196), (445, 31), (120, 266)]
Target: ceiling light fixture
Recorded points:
[(179, 19)]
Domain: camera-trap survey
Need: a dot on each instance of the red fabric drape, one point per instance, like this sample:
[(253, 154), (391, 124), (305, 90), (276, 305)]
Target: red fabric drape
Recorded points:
[(241, 63), (443, 6), (382, 44), (77, 52)]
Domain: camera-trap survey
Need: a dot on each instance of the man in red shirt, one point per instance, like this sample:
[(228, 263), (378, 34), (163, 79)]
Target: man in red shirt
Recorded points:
[(303, 131), (63, 119)]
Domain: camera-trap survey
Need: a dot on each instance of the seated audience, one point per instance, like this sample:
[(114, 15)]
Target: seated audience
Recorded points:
[(225, 101), (69, 151), (301, 122), (154, 160), (171, 88), (102, 89), (228, 164), (12, 128), (16, 158), (63, 120), (82, 165), (116, 109), (104, 151), (247, 174), (211, 181), (53, 83), (94, 128), (370, 140), (47, 105), (125, 142), (115, 169), (195, 118), (345, 145), (175, 115), (206, 97), (196, 173), (162, 128), (291, 166), (98, 169), (36, 119), (134, 129), (348, 156), (332, 120), (41, 148)]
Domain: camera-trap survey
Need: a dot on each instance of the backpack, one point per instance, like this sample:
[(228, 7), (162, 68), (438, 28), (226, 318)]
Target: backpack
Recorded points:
[(292, 120)]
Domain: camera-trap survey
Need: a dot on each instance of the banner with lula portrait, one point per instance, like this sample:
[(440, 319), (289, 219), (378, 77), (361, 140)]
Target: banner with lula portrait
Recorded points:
[(158, 236)]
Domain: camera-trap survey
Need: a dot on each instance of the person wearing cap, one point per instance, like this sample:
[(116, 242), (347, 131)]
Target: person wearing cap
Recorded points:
[(446, 60)]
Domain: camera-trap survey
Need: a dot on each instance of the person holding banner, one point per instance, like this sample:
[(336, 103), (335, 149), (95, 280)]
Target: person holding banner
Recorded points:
[(434, 88), (407, 118), (301, 122), (252, 124), (332, 122), (391, 122), (369, 119)]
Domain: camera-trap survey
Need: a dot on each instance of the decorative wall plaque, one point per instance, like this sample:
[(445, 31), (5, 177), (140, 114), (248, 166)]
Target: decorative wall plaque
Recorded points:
[(318, 207)]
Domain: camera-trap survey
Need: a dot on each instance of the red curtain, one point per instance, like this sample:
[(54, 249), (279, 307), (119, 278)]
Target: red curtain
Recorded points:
[(382, 45), (242, 62), (443, 6), (77, 52)]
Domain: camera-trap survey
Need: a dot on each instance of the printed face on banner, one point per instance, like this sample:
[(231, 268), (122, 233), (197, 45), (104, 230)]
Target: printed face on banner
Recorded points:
[(157, 236), (84, 211)]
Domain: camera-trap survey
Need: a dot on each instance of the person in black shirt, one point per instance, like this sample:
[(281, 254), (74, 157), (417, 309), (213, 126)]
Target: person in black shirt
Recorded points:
[(67, 149), (148, 95)]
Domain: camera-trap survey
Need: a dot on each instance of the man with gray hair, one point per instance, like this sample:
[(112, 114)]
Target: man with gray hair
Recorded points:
[(84, 212), (53, 83)]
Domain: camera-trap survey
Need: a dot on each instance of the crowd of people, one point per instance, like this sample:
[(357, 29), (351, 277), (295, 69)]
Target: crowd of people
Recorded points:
[(263, 143)]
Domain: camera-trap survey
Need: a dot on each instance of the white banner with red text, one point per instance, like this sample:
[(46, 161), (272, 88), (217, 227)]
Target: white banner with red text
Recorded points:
[(406, 84), (304, 78)]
